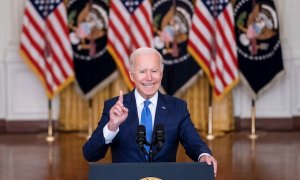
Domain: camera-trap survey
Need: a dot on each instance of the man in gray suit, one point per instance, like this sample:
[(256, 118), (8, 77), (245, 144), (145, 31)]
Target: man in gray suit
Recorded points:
[(122, 115)]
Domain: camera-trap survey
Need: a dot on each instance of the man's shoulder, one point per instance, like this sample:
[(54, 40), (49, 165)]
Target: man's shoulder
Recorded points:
[(172, 99)]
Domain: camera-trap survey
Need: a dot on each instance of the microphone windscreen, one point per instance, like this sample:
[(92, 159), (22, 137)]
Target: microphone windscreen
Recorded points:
[(141, 135), (141, 129), (159, 134)]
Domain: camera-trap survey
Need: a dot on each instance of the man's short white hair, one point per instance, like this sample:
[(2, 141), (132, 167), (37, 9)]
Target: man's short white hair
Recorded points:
[(142, 51)]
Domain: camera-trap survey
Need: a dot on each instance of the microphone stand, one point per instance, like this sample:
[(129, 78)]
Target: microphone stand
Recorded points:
[(144, 150), (158, 142), (151, 155), (152, 152), (142, 142)]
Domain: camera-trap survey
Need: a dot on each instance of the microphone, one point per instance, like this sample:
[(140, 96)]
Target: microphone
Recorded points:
[(159, 136), (141, 136)]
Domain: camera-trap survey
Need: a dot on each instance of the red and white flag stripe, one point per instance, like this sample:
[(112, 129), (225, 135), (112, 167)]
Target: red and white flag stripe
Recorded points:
[(212, 43), (45, 46)]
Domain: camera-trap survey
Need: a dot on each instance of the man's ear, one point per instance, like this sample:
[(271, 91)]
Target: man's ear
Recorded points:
[(130, 75)]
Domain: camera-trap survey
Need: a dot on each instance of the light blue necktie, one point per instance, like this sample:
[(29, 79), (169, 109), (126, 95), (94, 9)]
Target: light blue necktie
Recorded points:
[(146, 120)]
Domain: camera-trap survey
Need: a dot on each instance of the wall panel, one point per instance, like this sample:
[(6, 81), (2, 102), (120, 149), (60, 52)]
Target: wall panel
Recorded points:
[(26, 97), (2, 90), (296, 88)]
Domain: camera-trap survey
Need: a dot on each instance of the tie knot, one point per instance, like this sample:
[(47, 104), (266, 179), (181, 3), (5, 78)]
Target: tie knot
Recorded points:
[(146, 103)]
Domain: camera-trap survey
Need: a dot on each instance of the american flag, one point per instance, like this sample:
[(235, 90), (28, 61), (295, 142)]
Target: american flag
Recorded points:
[(45, 44), (212, 43), (130, 27)]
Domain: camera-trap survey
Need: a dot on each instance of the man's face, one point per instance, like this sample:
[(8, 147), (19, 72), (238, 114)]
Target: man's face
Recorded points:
[(147, 74)]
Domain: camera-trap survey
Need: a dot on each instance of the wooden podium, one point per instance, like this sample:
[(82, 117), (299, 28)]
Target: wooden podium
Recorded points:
[(151, 171)]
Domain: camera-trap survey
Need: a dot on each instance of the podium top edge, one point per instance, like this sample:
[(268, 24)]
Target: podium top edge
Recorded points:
[(149, 163)]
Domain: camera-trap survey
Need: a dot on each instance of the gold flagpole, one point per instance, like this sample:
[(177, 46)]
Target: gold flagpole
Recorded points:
[(92, 52), (50, 137), (253, 134), (210, 135), (90, 126), (90, 121), (253, 109)]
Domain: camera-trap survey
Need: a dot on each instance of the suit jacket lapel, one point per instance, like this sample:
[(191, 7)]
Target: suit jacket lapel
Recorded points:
[(129, 102), (132, 119), (161, 111)]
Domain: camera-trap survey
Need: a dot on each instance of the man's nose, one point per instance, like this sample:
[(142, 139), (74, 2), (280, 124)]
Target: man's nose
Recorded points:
[(149, 75)]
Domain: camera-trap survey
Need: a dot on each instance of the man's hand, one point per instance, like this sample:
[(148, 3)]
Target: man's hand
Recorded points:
[(117, 114), (210, 160)]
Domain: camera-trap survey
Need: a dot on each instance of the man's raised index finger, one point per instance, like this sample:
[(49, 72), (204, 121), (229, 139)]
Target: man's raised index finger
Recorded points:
[(121, 96)]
